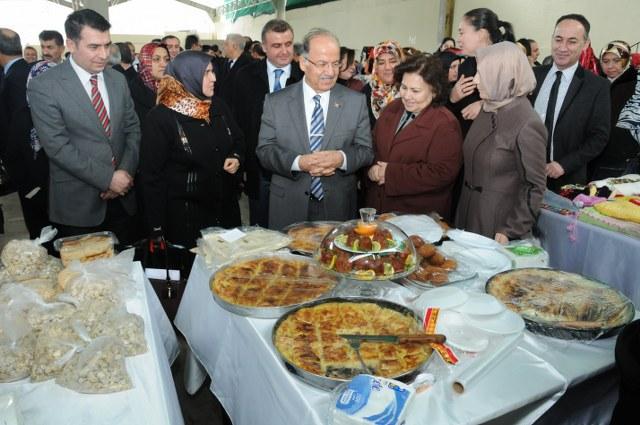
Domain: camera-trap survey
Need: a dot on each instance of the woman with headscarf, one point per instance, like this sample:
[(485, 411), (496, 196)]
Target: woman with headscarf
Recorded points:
[(381, 89), (622, 149), (504, 151), (450, 63), (478, 28), (190, 153), (418, 144), (154, 59)]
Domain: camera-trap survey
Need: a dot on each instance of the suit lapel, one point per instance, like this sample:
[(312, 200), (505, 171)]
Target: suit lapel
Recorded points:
[(74, 89), (298, 118), (574, 88), (334, 115)]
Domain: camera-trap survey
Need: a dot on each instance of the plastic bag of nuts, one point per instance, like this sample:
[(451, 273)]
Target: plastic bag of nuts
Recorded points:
[(98, 369), (16, 346), (24, 259), (127, 327), (50, 356)]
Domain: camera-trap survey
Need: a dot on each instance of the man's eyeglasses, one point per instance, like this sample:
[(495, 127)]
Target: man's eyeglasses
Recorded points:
[(324, 65)]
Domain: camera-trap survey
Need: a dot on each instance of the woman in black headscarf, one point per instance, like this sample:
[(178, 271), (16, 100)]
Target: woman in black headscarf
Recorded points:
[(190, 153)]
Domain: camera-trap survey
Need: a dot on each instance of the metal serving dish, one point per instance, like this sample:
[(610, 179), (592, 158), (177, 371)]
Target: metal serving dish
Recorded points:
[(564, 331), (308, 224), (267, 312), (327, 382)]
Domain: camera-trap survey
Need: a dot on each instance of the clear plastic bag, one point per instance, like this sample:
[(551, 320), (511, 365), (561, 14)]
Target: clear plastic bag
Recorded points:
[(24, 259), (98, 369), (16, 346), (92, 312), (40, 315), (222, 245), (51, 354), (101, 279), (46, 288), (127, 327)]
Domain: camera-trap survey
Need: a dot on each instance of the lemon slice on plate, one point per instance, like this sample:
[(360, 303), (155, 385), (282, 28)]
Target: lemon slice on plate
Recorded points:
[(365, 274)]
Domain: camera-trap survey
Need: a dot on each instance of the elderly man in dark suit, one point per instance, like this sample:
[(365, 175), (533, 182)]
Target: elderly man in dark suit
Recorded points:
[(251, 85), (314, 137), (87, 125), (573, 103), (236, 59)]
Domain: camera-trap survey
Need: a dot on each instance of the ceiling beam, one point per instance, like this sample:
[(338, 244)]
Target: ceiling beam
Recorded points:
[(210, 10)]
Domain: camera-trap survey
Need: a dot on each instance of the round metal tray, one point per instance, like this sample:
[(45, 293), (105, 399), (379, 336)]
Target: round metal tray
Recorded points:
[(567, 332), (265, 312), (304, 224), (328, 383)]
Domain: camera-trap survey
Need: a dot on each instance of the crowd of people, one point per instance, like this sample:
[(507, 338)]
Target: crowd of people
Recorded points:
[(160, 143)]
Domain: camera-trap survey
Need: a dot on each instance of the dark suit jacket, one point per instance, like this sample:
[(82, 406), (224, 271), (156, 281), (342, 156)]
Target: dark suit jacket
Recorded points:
[(15, 122), (250, 87), (284, 136), (583, 125), (82, 157), (224, 88), (424, 159)]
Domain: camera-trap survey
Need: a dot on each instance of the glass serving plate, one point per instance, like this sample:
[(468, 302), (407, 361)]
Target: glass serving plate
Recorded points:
[(367, 249)]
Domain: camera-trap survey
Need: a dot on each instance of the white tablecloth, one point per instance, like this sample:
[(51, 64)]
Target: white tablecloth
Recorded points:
[(255, 388), (153, 400)]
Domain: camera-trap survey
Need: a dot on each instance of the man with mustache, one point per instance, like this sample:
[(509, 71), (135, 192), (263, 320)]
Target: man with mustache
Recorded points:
[(314, 137), (86, 122), (51, 45)]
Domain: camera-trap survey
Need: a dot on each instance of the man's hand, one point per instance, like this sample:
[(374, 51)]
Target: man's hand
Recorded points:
[(231, 165), (554, 170), (470, 112), (121, 182), (463, 88), (323, 163), (108, 194)]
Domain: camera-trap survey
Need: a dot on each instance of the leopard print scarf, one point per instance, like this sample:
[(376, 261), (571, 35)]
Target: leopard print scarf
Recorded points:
[(174, 96)]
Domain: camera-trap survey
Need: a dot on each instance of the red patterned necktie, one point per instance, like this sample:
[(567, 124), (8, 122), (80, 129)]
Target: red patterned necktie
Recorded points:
[(98, 105)]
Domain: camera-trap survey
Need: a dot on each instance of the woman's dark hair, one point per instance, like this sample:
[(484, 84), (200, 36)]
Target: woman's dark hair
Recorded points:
[(430, 69), (527, 45), (350, 54), (125, 53), (483, 18), (256, 47), (444, 40)]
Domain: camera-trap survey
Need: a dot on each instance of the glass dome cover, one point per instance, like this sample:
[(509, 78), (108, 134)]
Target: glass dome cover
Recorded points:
[(367, 249)]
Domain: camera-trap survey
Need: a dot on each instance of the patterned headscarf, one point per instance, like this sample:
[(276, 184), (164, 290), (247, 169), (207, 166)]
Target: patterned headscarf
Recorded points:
[(173, 95), (629, 117), (145, 58), (181, 88), (382, 94), (37, 69), (505, 74)]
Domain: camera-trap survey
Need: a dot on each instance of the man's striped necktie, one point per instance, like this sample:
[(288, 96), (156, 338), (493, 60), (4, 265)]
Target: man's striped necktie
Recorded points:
[(98, 105), (315, 140)]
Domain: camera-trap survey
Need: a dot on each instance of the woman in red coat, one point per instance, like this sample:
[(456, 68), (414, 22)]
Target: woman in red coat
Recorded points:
[(417, 142)]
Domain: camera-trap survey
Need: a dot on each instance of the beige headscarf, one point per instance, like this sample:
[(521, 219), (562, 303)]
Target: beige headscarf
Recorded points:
[(504, 73)]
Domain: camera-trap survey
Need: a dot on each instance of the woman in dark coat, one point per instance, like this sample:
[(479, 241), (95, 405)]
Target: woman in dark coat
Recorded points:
[(615, 61), (191, 150), (154, 59), (505, 150), (417, 144)]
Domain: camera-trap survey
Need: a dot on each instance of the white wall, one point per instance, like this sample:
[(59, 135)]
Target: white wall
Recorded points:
[(357, 22), (610, 19)]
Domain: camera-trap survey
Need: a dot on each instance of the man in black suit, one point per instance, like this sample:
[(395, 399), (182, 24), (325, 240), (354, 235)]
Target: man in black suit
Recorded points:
[(573, 103), (251, 85), (23, 166), (236, 59)]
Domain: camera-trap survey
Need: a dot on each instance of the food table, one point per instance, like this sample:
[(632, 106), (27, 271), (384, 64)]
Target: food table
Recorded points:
[(592, 251), (254, 386), (153, 399)]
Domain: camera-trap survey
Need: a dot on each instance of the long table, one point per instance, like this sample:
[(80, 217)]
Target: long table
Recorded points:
[(592, 251), (153, 399), (254, 386)]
